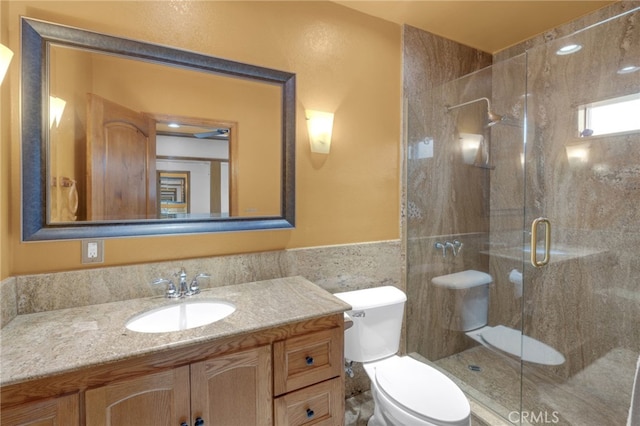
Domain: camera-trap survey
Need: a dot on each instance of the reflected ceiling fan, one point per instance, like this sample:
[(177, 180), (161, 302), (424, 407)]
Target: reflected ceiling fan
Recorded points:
[(214, 134)]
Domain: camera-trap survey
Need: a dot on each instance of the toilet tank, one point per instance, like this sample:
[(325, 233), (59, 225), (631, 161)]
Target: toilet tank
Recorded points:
[(377, 323), (468, 294)]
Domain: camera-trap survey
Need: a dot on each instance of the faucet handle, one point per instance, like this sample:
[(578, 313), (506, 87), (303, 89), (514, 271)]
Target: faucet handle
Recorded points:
[(171, 291), (194, 288), (457, 247)]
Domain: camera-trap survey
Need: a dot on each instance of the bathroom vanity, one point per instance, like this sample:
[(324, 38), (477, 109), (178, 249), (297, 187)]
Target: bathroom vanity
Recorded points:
[(277, 360)]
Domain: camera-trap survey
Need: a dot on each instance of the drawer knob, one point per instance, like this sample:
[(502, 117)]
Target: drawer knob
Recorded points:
[(184, 424), (199, 422), (310, 413), (309, 360)]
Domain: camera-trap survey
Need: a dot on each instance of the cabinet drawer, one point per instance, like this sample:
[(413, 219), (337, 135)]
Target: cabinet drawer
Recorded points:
[(321, 404), (304, 360)]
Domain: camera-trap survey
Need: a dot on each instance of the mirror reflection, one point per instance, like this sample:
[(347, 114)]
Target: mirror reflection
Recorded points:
[(117, 120), (173, 190), (203, 154), (106, 120)]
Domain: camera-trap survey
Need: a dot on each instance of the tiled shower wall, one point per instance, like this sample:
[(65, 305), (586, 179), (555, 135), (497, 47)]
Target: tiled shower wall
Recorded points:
[(445, 198), (586, 302), (591, 300)]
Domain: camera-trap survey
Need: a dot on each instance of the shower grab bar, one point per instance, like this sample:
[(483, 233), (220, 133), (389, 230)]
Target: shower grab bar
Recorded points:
[(534, 243)]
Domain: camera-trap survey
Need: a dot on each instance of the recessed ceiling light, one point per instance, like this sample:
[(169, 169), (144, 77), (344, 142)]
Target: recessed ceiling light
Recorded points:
[(174, 125), (568, 49), (629, 69)]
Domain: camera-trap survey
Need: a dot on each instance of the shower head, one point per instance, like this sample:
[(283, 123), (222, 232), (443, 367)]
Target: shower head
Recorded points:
[(493, 117)]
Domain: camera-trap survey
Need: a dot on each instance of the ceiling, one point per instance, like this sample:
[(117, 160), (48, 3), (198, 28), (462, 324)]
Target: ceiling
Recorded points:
[(490, 26)]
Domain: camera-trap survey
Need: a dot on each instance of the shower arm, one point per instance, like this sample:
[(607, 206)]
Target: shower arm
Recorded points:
[(449, 108), (493, 117)]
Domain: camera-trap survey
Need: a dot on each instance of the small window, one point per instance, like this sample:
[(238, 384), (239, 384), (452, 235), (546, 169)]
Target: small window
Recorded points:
[(615, 115)]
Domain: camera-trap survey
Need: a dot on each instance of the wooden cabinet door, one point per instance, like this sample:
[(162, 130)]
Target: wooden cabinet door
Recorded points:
[(121, 162), (233, 389), (51, 412), (157, 399)]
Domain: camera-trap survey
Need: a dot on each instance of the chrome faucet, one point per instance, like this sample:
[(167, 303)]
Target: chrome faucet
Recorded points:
[(183, 289)]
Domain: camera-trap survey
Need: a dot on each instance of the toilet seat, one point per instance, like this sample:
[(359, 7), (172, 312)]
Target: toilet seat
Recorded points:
[(422, 391)]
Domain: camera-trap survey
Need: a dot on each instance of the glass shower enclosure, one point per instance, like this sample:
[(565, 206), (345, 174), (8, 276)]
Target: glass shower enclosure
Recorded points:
[(530, 173)]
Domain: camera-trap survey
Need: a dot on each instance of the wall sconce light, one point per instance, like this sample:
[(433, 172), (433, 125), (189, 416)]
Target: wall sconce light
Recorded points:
[(470, 145), (5, 59), (56, 108), (578, 155), (320, 126)]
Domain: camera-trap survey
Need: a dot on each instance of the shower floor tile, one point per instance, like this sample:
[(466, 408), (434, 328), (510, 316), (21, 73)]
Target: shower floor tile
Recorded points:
[(598, 395)]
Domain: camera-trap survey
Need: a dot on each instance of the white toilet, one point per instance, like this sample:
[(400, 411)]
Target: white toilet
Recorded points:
[(406, 392)]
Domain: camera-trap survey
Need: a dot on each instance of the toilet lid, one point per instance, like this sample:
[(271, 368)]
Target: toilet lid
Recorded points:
[(423, 390)]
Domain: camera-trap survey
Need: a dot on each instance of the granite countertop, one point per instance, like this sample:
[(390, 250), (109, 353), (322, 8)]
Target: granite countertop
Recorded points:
[(47, 343)]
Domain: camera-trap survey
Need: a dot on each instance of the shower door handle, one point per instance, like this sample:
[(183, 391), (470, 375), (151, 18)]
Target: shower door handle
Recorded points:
[(534, 241)]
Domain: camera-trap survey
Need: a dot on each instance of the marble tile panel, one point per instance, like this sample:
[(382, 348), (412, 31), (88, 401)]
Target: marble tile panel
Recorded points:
[(335, 268), (358, 409), (8, 302), (348, 267), (431, 311), (600, 15), (575, 401)]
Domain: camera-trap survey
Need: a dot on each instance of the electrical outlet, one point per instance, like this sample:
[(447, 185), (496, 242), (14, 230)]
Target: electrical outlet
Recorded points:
[(92, 251)]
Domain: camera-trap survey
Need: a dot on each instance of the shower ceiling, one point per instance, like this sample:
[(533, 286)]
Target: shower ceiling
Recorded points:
[(490, 26)]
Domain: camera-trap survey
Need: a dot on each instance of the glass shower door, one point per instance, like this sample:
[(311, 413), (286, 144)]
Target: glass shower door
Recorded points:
[(562, 337), (465, 212), (583, 174)]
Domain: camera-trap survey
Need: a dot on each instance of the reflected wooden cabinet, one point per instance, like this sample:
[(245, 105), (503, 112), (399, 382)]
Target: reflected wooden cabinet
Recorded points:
[(63, 410), (233, 389)]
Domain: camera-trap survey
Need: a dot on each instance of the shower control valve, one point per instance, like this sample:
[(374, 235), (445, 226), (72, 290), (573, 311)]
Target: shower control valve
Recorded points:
[(455, 247)]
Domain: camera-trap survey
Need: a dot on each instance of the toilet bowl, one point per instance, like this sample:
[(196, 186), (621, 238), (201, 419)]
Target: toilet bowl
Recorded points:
[(406, 392)]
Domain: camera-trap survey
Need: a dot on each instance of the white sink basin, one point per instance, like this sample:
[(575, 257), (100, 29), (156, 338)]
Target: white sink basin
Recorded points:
[(181, 316)]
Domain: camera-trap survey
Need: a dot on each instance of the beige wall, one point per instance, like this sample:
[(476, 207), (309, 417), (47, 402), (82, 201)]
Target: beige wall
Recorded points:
[(345, 62)]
